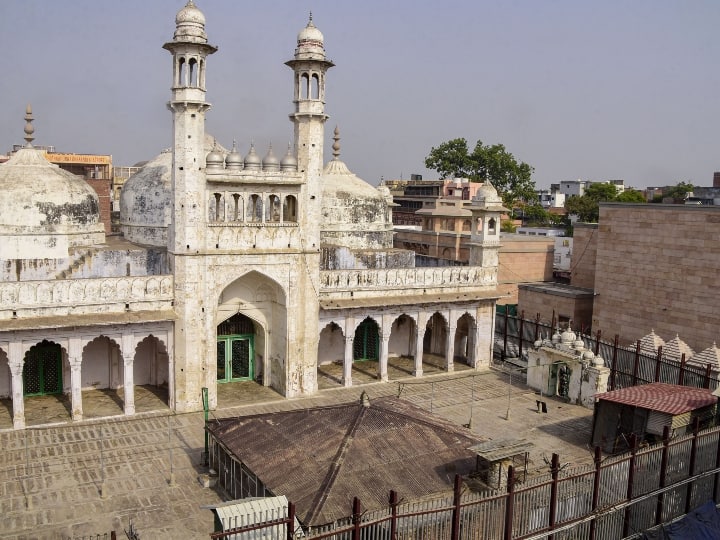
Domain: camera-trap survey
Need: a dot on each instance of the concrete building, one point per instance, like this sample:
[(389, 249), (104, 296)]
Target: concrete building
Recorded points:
[(230, 268)]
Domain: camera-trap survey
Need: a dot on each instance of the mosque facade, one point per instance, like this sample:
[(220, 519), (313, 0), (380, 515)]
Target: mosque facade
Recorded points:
[(229, 268)]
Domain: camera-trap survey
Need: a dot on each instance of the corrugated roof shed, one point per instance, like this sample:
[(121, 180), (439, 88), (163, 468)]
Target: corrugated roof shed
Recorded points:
[(323, 457), (661, 397)]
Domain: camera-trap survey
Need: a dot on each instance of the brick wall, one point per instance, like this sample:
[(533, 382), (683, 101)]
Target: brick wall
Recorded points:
[(658, 268), (103, 188)]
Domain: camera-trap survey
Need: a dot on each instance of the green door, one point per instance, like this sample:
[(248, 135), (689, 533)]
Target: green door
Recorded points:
[(366, 345), (235, 358), (42, 372)]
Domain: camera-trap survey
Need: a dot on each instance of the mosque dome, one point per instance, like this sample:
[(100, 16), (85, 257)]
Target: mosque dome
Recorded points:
[(42, 201), (190, 14), (487, 197), (354, 214), (44, 207), (146, 199)]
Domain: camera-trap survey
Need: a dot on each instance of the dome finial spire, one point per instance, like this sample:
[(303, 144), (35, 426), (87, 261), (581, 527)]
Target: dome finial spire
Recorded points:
[(336, 144), (29, 129)]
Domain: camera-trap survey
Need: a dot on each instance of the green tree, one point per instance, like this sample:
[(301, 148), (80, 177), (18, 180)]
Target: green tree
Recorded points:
[(587, 206), (536, 215), (491, 163), (678, 192), (631, 196)]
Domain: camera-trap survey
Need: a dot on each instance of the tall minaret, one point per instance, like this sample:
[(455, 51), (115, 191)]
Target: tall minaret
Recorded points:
[(487, 209), (310, 66), (190, 49), (186, 234)]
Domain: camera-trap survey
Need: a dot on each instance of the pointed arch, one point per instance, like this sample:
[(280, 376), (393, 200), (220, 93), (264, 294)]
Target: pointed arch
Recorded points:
[(464, 338), (402, 336), (151, 366), (43, 369), (435, 339), (5, 376), (100, 366), (332, 344), (366, 343)]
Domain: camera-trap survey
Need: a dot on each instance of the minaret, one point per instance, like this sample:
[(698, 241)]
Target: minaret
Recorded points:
[(190, 49), (310, 66), (487, 209), (186, 234)]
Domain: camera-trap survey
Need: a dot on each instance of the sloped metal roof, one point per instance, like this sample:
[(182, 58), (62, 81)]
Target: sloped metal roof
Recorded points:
[(323, 457), (242, 512), (661, 397)]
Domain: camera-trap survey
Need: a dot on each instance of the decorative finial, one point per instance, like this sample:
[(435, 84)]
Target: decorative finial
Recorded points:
[(336, 144), (234, 148), (310, 19), (365, 399), (29, 129)]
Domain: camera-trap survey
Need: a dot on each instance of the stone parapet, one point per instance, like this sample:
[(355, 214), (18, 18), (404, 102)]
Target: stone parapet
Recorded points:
[(411, 280), (83, 296)]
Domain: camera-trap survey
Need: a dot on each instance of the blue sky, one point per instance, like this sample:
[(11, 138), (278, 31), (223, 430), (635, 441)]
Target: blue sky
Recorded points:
[(577, 89)]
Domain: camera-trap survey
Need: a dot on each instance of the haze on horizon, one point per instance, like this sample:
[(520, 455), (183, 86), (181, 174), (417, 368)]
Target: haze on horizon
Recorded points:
[(601, 90)]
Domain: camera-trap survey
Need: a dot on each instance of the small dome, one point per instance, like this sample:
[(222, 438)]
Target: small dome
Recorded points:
[(214, 160), (588, 355), (190, 14), (556, 338), (578, 344), (190, 24), (252, 160), (310, 33), (234, 160), (289, 162), (567, 337), (270, 162), (598, 361), (310, 43)]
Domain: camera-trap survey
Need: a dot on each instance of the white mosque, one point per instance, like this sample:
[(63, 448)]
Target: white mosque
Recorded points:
[(229, 268)]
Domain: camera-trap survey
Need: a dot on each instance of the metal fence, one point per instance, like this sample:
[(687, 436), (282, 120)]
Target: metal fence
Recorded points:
[(629, 366), (618, 497)]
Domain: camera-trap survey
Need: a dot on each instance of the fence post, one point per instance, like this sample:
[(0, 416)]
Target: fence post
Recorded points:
[(681, 377), (631, 479), (393, 511), (596, 489), (537, 326), (552, 323), (520, 341), (693, 457), (291, 522), (598, 336), (663, 474), (614, 362), (658, 363), (716, 483), (636, 365), (505, 333), (455, 533), (708, 372), (510, 503), (554, 470), (356, 519)]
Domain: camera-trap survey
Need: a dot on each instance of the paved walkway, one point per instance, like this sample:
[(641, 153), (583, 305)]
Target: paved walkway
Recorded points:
[(72, 480)]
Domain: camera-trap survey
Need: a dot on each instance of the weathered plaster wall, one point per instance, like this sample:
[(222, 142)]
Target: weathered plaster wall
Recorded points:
[(343, 258)]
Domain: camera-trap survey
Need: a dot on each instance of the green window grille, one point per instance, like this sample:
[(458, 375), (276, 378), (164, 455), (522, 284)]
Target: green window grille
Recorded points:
[(42, 372), (366, 345)]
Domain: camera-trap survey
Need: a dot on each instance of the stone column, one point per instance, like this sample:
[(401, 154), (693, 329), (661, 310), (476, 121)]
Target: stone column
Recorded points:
[(15, 361), (128, 383), (348, 361), (419, 335), (472, 353), (383, 364), (450, 349), (75, 361)]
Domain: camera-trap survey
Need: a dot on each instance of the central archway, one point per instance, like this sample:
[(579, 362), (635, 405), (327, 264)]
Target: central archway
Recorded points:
[(251, 326)]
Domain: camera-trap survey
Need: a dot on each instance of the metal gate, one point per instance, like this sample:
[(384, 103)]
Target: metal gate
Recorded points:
[(235, 358), (366, 344), (42, 372)]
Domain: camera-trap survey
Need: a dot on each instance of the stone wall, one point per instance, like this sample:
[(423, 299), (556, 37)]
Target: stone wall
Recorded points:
[(657, 268), (103, 188), (565, 301)]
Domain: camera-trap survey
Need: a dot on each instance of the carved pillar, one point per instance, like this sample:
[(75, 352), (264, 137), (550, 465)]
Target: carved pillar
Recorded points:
[(450, 349), (15, 361), (348, 361), (383, 364), (75, 361)]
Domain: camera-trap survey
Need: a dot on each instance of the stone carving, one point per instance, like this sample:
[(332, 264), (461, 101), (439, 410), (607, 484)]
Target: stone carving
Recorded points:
[(407, 277)]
